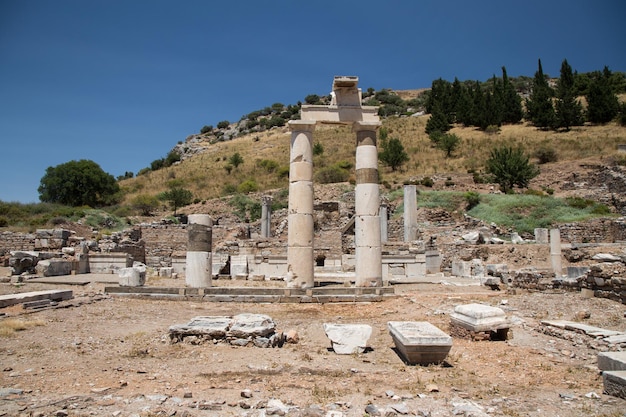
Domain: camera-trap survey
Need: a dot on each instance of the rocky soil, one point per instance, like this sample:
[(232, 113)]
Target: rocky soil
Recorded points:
[(111, 356)]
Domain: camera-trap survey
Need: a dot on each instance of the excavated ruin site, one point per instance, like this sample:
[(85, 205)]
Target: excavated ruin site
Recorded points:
[(111, 350)]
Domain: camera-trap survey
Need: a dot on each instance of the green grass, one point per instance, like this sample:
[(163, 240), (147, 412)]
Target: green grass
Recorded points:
[(524, 213)]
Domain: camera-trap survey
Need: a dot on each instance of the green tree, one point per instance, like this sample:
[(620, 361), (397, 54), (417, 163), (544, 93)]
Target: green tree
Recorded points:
[(568, 111), (438, 122), (602, 103), (146, 204), (393, 153), (223, 124), (512, 102), (448, 142), (177, 197), (235, 160), (318, 149), (78, 183), (510, 167), (539, 105), (206, 129)]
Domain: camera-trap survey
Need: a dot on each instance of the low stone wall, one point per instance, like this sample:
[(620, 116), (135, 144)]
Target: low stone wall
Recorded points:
[(11, 241), (595, 231), (606, 280)]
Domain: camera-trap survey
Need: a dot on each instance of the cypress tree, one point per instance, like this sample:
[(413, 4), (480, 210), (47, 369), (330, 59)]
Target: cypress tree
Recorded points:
[(602, 103), (438, 121), (512, 103), (569, 111), (539, 105)]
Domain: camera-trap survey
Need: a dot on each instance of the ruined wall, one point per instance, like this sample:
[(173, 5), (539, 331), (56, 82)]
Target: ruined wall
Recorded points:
[(16, 241), (594, 231), (162, 241)]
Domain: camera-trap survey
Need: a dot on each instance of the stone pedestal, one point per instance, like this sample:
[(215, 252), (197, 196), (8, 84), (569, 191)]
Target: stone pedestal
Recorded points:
[(198, 261), (419, 342), (541, 236), (479, 319), (410, 213), (300, 213)]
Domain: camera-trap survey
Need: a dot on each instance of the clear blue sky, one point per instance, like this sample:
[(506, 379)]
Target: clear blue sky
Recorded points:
[(120, 82)]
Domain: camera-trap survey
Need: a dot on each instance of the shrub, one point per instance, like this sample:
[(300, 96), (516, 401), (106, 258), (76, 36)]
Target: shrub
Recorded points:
[(248, 186), (228, 189), (332, 174), (206, 129), (510, 167), (472, 198), (223, 124), (268, 164), (318, 149), (283, 172), (545, 154), (427, 182)]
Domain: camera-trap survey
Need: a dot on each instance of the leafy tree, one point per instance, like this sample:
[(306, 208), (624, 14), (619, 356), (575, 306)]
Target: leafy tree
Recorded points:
[(539, 105), (602, 103), (171, 157), (235, 160), (206, 129), (146, 204), (510, 167), (448, 142), (177, 197), (569, 111), (223, 124), (393, 153), (78, 183), (312, 99)]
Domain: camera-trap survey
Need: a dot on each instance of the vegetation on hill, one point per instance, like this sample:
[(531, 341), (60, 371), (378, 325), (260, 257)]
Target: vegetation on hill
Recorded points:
[(466, 120)]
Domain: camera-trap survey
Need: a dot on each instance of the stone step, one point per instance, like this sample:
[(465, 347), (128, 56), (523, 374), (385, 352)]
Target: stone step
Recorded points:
[(25, 297)]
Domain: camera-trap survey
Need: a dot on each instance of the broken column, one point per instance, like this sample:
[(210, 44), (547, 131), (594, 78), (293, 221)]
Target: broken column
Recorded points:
[(555, 252), (410, 213), (300, 262), (384, 218), (368, 252), (266, 216), (198, 262)]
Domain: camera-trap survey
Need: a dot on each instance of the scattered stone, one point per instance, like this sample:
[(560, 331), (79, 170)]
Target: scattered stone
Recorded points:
[(432, 388), (372, 410), (347, 339), (246, 393)]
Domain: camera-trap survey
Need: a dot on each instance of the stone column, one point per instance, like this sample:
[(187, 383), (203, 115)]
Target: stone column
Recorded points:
[(410, 213), (266, 216), (199, 245), (555, 252), (368, 252), (384, 217), (300, 262)]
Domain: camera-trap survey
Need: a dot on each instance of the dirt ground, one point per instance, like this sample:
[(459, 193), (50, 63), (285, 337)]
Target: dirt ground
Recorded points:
[(111, 356)]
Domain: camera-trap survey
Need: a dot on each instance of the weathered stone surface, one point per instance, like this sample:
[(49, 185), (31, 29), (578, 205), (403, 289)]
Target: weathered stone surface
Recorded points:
[(246, 325), (54, 267), (347, 339), (612, 361), (479, 317), (606, 257), (134, 276), (420, 342), (615, 383)]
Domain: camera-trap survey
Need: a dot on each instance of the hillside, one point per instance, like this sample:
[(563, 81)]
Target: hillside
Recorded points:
[(266, 155)]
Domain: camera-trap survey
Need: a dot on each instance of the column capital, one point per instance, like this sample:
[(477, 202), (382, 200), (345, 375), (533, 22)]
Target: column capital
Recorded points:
[(365, 126), (301, 125)]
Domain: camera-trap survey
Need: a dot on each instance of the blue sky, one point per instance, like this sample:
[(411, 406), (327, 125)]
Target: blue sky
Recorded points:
[(120, 82)]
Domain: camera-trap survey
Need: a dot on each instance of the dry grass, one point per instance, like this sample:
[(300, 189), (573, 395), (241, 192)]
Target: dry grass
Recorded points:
[(206, 177), (9, 327)]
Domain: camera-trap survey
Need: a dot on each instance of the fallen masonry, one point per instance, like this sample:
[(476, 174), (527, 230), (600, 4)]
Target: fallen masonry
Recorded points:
[(241, 330), (480, 322), (420, 342)]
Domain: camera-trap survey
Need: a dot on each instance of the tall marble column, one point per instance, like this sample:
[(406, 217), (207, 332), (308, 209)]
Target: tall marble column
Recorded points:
[(266, 215), (368, 252), (410, 213), (300, 262), (199, 245)]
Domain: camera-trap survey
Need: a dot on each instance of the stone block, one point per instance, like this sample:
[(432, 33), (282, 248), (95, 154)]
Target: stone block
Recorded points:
[(54, 267), (612, 361), (461, 268), (479, 318), (614, 383), (132, 277), (347, 339), (419, 342), (251, 325)]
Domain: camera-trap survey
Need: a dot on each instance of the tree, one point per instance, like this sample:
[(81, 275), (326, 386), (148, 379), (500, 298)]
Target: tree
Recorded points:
[(510, 167), (235, 160), (602, 103), (318, 149), (206, 129), (177, 197), (145, 204), (223, 124), (438, 122), (512, 103), (448, 142), (393, 153), (569, 111), (78, 183), (539, 107)]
